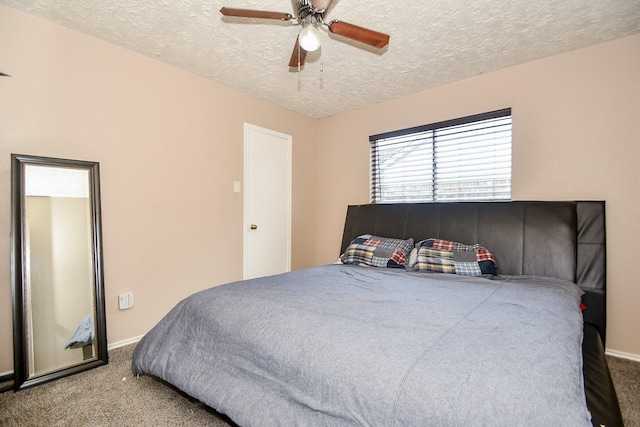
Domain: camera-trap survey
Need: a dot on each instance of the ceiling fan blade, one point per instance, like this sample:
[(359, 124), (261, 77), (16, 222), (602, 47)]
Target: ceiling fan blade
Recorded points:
[(363, 35), (321, 4), (297, 56), (249, 13)]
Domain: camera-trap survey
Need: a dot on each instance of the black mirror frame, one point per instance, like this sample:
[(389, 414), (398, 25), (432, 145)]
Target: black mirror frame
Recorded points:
[(20, 363)]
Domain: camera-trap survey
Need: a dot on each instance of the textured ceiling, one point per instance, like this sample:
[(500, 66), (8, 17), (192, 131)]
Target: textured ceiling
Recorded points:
[(433, 42)]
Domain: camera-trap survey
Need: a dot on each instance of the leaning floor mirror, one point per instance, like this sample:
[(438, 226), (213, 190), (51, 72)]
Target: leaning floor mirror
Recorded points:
[(59, 325)]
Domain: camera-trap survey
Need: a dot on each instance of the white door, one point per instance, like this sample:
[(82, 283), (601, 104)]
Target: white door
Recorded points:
[(267, 202)]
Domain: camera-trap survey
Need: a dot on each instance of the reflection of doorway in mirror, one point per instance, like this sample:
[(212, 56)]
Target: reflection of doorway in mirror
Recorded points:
[(59, 273)]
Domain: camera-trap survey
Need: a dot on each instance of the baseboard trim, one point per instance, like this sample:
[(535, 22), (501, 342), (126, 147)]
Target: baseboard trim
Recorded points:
[(623, 355), (123, 343)]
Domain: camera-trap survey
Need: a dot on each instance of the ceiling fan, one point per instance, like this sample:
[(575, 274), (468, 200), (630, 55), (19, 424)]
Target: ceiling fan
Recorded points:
[(310, 14)]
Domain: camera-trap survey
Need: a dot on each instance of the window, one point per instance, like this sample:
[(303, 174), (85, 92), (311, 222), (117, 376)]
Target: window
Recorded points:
[(461, 159)]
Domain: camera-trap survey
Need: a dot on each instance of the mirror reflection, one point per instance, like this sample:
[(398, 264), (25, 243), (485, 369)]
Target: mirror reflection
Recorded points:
[(58, 268), (59, 307)]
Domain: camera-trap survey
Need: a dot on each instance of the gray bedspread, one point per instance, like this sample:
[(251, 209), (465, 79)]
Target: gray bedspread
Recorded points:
[(344, 345)]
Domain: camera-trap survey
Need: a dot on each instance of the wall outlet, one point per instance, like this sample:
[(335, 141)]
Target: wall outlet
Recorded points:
[(125, 301)]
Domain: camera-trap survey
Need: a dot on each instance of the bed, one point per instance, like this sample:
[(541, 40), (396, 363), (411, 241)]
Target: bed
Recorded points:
[(382, 339)]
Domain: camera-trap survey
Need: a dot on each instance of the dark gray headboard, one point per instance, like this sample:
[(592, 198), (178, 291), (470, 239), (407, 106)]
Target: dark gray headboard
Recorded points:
[(558, 239)]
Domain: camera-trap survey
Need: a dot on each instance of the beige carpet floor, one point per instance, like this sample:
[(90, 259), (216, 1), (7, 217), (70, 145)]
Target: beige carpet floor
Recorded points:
[(105, 396), (626, 378), (111, 396)]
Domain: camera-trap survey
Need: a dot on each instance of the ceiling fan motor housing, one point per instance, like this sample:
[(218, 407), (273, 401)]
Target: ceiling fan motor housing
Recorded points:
[(304, 8)]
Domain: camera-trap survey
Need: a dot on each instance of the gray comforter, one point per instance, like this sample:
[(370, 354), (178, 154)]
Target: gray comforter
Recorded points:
[(344, 345)]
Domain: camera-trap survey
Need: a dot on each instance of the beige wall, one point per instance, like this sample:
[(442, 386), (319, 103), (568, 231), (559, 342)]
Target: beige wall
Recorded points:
[(576, 135), (170, 145)]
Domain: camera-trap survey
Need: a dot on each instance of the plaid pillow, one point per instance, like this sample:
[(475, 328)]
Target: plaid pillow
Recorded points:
[(378, 251), (444, 256)]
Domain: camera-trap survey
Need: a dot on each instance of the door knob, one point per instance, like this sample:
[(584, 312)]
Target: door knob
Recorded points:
[(253, 227)]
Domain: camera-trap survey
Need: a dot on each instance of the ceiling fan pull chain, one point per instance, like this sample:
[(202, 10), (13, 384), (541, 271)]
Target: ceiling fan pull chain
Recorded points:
[(321, 66)]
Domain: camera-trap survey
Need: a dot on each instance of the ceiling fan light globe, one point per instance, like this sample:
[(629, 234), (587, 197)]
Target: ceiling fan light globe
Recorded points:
[(309, 38)]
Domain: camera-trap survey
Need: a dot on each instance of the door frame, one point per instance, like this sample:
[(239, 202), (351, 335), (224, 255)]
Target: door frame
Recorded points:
[(246, 193)]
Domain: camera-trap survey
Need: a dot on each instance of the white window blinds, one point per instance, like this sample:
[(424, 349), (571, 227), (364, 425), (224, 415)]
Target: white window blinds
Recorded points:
[(462, 159)]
